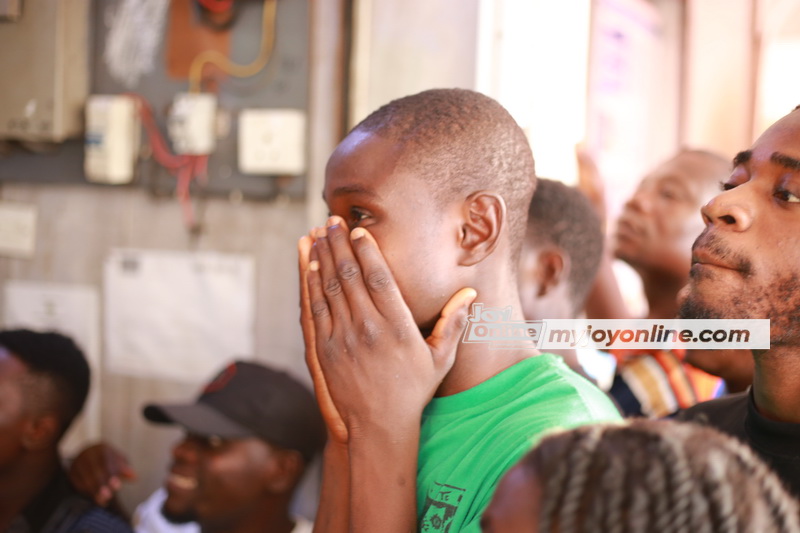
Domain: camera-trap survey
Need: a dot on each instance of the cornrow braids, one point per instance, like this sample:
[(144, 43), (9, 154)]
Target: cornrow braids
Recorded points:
[(655, 475)]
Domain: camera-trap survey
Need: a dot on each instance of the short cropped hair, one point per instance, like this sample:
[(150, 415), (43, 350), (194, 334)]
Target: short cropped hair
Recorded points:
[(564, 217), (655, 475), (58, 370), (462, 142)]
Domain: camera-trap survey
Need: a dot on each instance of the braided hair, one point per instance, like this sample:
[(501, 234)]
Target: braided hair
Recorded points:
[(656, 476)]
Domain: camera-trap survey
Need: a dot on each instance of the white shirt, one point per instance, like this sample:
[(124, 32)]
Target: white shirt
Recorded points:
[(148, 518)]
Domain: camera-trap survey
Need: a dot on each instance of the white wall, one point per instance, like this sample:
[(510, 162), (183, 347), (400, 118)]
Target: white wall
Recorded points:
[(402, 47)]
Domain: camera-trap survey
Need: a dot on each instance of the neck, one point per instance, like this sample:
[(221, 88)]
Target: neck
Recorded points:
[(661, 291), (776, 389), (23, 481), (477, 362)]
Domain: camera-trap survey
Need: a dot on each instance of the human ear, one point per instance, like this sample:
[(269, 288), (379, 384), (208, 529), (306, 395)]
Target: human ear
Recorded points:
[(552, 268), (40, 432), (284, 471), (484, 219)]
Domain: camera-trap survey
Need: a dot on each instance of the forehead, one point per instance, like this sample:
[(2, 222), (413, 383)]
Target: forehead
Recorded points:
[(694, 172), (12, 371), (782, 137), (364, 162), (11, 368)]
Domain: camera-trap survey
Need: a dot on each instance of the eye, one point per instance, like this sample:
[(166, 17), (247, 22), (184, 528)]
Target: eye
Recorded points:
[(668, 194), (209, 442), (357, 216), (786, 196)]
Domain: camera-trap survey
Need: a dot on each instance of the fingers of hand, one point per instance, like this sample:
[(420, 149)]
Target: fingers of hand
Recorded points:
[(446, 333), (378, 279), (342, 280), (318, 303), (306, 321)]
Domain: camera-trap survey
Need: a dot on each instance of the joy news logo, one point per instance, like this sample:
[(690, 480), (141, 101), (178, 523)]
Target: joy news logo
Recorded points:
[(494, 326)]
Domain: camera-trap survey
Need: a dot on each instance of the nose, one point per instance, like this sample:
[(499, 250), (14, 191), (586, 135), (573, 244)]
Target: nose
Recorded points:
[(731, 209), (640, 201)]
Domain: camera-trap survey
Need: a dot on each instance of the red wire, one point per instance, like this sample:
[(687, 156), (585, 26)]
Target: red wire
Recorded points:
[(185, 167), (216, 6)]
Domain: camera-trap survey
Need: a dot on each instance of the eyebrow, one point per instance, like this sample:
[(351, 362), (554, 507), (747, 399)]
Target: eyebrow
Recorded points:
[(785, 161), (742, 158), (350, 189)]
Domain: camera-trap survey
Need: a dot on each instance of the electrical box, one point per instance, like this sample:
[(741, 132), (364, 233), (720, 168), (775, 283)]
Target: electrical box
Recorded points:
[(44, 66), (10, 9), (272, 141), (192, 123), (113, 131)]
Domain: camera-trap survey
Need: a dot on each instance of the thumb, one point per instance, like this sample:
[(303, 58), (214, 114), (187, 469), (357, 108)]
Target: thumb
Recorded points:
[(444, 338)]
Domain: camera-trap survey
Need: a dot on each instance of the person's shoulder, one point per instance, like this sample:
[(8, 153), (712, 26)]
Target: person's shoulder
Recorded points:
[(727, 413), (569, 397), (98, 520), (737, 402)]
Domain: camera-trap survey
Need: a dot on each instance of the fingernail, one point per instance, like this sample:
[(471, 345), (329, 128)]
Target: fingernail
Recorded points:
[(318, 233), (313, 266), (334, 220), (357, 233)]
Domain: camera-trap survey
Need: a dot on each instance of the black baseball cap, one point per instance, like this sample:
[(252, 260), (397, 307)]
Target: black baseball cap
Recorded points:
[(251, 400)]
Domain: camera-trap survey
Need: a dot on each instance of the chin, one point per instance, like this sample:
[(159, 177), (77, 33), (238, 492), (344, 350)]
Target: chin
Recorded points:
[(178, 516), (692, 307)]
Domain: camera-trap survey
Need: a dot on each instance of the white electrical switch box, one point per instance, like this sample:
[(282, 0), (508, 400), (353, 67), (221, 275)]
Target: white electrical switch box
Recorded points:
[(17, 229), (10, 9), (112, 138), (272, 141), (192, 123), (44, 64)]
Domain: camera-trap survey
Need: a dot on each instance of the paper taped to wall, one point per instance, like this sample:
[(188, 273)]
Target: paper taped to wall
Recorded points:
[(177, 315)]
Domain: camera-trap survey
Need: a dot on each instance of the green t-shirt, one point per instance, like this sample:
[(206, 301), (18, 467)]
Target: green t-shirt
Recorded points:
[(469, 440)]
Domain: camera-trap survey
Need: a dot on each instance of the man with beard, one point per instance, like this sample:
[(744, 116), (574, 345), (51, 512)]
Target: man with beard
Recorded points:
[(653, 236), (746, 265)]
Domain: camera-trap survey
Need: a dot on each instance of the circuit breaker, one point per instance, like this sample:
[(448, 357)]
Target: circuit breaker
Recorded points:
[(112, 138), (44, 66), (192, 123)]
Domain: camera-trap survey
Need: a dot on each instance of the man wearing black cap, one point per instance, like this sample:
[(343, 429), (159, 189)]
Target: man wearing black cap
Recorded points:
[(249, 436)]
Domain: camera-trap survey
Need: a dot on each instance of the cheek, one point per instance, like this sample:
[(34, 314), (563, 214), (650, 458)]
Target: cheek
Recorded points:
[(224, 480), (422, 269)]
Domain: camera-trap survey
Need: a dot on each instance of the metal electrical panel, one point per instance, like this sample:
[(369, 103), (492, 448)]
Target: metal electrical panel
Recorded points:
[(44, 71)]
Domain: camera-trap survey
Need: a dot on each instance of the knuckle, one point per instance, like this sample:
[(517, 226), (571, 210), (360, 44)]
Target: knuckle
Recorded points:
[(329, 350), (378, 280), (370, 332), (319, 309), (333, 287), (348, 271)]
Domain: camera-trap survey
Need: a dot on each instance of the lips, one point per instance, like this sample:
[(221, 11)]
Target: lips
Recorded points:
[(710, 250), (702, 257), (626, 226)]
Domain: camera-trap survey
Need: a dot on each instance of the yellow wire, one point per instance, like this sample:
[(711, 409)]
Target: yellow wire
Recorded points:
[(228, 66)]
